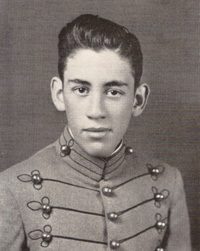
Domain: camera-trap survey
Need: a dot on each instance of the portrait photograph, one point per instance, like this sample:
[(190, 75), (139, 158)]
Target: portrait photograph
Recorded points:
[(99, 125)]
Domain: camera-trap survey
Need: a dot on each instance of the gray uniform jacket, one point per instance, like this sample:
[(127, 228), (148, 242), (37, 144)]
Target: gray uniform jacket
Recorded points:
[(61, 199)]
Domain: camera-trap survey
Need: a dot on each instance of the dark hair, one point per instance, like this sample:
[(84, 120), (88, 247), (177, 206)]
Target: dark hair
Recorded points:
[(94, 32)]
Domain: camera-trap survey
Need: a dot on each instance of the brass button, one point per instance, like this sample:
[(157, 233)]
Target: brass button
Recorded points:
[(154, 171), (107, 191), (160, 225), (46, 237), (112, 216), (114, 244), (158, 196), (65, 150), (46, 208), (36, 179), (129, 150)]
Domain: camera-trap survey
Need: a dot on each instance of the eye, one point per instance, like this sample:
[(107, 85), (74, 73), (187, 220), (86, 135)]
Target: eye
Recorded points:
[(81, 91), (114, 93)]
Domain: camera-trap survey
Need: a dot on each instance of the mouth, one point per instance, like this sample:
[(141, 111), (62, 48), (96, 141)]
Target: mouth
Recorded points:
[(99, 129), (95, 133)]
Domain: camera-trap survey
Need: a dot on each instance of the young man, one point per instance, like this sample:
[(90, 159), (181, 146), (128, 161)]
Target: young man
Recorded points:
[(88, 191)]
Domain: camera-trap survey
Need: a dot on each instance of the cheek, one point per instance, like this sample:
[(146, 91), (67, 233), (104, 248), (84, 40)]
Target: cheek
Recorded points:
[(122, 112), (72, 112)]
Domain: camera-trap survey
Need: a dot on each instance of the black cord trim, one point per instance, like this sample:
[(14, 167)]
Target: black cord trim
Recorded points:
[(84, 175), (67, 142), (46, 237), (158, 218), (34, 209), (104, 168), (155, 171), (35, 178), (37, 236), (36, 205), (78, 211), (123, 156), (135, 235), (164, 192), (127, 181), (78, 239), (116, 166), (85, 166), (37, 183), (66, 183), (130, 208), (103, 160), (104, 171), (27, 175), (87, 158)]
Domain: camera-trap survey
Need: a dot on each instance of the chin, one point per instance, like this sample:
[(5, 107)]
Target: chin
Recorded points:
[(101, 152)]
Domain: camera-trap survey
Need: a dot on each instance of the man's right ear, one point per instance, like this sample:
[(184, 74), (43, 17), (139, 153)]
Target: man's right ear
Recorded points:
[(57, 93)]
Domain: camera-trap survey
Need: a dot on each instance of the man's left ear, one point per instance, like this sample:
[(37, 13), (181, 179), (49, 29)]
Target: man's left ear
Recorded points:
[(141, 96)]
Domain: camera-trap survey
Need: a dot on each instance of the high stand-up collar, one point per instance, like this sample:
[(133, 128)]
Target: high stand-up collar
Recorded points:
[(93, 167)]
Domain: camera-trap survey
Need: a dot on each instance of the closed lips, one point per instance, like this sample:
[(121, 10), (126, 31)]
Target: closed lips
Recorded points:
[(101, 129)]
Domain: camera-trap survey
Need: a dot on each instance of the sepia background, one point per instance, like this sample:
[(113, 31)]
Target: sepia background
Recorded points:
[(168, 30)]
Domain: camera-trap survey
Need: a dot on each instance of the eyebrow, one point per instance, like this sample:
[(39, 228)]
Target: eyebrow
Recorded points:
[(79, 81), (107, 84), (115, 83)]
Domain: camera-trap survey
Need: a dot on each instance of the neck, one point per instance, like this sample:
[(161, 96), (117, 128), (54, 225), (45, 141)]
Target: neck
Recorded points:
[(94, 168), (117, 149)]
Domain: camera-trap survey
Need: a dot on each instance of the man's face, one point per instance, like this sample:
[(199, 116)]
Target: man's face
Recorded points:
[(98, 97)]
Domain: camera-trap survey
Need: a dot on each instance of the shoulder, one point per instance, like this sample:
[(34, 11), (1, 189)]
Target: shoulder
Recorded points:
[(159, 172), (145, 162), (40, 160)]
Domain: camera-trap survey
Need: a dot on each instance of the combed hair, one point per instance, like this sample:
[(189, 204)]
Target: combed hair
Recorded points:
[(93, 32)]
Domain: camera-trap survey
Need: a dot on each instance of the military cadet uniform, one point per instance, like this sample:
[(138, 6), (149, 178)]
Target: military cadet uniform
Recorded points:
[(61, 199)]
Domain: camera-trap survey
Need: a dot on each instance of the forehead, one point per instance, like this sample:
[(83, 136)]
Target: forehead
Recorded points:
[(103, 66)]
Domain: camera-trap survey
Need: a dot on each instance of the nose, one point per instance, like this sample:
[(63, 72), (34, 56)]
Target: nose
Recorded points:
[(96, 107)]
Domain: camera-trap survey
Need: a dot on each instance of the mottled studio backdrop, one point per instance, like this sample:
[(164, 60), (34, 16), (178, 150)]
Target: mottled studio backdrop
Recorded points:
[(168, 30)]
